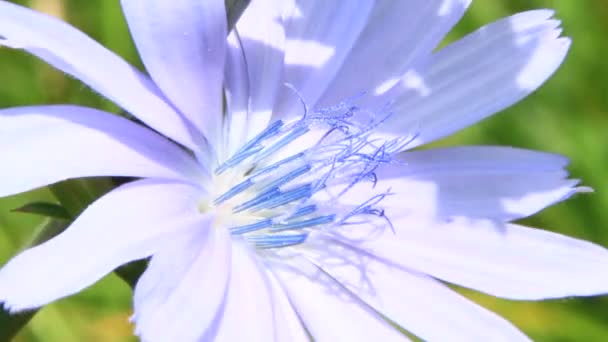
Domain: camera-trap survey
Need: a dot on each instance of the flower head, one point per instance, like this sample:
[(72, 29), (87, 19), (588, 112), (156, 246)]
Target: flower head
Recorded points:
[(288, 202)]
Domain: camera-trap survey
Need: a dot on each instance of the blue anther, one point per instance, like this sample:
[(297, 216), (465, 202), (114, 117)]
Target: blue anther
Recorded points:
[(251, 227), (237, 158), (293, 135), (277, 164), (277, 200), (251, 147), (277, 240), (315, 221), (289, 176), (261, 198), (266, 133), (303, 211), (235, 190)]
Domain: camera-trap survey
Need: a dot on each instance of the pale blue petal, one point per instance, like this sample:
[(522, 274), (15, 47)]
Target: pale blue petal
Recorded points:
[(236, 84), (182, 294), (262, 34), (397, 36), (498, 183), (320, 34), (418, 303), (477, 76), (504, 260), (129, 223), (287, 324), (46, 144), (183, 46), (74, 53), (328, 310), (248, 312)]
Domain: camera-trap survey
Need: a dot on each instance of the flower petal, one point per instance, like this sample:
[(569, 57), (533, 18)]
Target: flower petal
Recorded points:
[(320, 35), (398, 35), (74, 53), (129, 223), (182, 294), (477, 76), (406, 298), (328, 310), (248, 313), (236, 84), (504, 260), (499, 183), (262, 34), (70, 142), (183, 45), (287, 324)]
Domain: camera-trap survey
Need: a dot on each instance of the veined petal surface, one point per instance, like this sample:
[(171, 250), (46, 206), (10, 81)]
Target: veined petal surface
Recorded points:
[(477, 76), (504, 260), (129, 223), (416, 302), (248, 314), (287, 324), (74, 53), (183, 46), (343, 317), (320, 34), (492, 182), (236, 91), (261, 31), (398, 36), (45, 144), (182, 294)]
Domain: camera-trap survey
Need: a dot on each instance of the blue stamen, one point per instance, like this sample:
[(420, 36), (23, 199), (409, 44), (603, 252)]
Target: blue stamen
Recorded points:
[(251, 227), (235, 190), (283, 190), (289, 176), (237, 158), (261, 198), (266, 133), (293, 135), (277, 240), (252, 145), (277, 164), (315, 221), (303, 191), (303, 211)]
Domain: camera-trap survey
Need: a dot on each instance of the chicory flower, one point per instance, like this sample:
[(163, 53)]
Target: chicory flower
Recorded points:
[(278, 195)]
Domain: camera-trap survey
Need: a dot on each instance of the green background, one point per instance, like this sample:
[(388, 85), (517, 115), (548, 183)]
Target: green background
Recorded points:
[(566, 116)]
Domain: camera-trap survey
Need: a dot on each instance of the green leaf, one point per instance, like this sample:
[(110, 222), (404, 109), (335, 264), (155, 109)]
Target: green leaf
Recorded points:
[(131, 272), (76, 194), (47, 209), (11, 324)]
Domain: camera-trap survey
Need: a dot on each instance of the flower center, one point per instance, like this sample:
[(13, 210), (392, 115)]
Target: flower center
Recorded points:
[(288, 180)]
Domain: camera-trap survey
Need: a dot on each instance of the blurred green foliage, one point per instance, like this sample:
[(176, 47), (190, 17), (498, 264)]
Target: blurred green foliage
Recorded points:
[(567, 116)]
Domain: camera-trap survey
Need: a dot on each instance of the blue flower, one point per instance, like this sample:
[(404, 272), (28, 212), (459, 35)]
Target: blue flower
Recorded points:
[(278, 194)]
